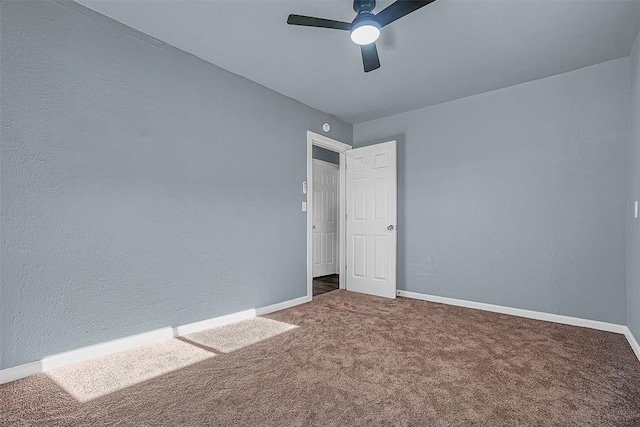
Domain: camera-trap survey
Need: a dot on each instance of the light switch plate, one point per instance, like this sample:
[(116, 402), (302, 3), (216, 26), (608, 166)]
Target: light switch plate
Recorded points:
[(304, 206), (635, 209), (304, 187)]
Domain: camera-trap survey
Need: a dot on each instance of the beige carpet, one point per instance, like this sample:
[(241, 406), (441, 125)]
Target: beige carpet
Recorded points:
[(235, 336), (360, 360), (104, 375)]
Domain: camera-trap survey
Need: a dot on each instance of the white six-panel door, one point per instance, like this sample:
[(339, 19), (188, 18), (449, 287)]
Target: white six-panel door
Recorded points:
[(325, 218), (371, 237)]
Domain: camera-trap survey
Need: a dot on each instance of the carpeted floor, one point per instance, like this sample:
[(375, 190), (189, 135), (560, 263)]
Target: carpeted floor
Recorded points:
[(360, 360)]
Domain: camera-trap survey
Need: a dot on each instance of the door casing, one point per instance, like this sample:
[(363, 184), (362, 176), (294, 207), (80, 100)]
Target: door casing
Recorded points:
[(321, 270), (340, 148)]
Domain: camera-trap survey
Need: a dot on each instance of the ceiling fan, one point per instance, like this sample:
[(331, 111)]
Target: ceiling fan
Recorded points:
[(365, 28)]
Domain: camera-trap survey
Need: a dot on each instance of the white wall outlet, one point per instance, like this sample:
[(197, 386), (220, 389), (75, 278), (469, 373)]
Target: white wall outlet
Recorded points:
[(304, 206), (304, 187), (635, 209)]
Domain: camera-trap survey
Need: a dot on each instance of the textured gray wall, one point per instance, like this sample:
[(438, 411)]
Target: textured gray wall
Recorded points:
[(633, 238), (326, 155), (517, 197), (3, 325), (139, 185)]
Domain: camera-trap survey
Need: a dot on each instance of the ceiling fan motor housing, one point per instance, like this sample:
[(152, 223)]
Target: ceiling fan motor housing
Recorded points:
[(364, 5), (364, 18)]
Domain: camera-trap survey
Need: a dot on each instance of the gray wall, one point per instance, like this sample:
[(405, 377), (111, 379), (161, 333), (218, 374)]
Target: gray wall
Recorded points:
[(326, 155), (517, 197), (633, 238), (139, 185), (3, 326)]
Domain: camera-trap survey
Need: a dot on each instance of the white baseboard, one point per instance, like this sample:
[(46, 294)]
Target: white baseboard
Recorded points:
[(214, 323), (21, 371), (537, 315), (109, 347), (282, 305), (104, 348), (632, 341)]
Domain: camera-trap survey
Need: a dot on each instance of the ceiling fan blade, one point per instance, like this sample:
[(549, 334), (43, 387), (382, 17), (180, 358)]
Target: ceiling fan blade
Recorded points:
[(370, 58), (309, 21), (399, 9)]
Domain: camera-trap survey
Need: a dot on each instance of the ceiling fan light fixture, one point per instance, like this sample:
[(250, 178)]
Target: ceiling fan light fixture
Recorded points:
[(365, 29)]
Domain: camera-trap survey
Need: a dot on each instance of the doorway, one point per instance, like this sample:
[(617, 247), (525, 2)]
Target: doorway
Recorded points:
[(362, 191), (325, 214), (325, 195)]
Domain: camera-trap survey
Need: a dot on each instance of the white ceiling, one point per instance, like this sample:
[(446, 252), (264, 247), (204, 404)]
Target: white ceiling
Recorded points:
[(447, 50)]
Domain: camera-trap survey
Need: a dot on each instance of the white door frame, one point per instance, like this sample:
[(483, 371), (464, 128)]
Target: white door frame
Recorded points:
[(336, 241), (340, 148)]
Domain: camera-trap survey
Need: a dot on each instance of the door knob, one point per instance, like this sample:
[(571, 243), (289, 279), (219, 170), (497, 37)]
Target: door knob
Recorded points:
[(313, 227), (390, 228)]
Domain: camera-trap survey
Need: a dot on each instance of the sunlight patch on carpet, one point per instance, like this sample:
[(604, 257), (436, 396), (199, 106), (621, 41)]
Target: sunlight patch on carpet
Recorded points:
[(238, 335), (104, 375)]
